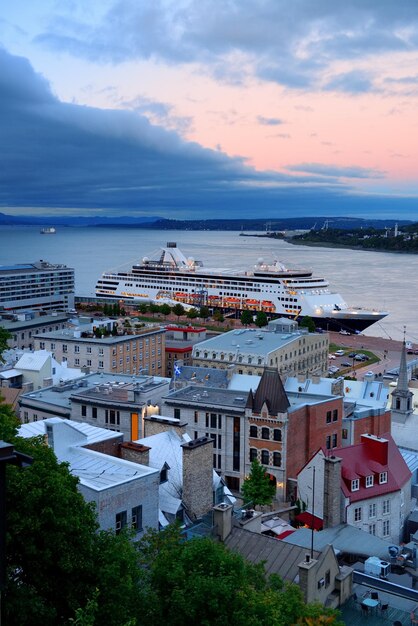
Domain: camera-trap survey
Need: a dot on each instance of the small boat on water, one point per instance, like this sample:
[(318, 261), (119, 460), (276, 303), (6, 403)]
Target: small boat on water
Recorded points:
[(48, 230)]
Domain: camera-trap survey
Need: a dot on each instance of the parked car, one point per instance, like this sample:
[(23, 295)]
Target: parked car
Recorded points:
[(333, 369), (351, 355), (339, 353), (332, 356), (361, 357), (346, 363), (344, 332)]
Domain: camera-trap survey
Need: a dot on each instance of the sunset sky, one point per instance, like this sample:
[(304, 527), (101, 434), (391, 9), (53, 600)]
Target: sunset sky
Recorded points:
[(191, 108)]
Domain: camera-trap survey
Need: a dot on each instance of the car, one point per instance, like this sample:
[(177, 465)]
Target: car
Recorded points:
[(346, 363), (352, 355), (344, 332), (361, 357), (332, 356), (339, 353), (333, 369)]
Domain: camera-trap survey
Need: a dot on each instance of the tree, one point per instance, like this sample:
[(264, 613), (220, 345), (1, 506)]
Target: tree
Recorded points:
[(257, 487), (204, 312), (192, 314), (143, 308), (218, 317), (4, 337), (165, 309), (178, 309), (307, 322), (246, 318), (261, 319), (154, 308)]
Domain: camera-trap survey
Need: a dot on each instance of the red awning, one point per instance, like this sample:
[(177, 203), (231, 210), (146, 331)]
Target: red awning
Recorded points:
[(310, 520)]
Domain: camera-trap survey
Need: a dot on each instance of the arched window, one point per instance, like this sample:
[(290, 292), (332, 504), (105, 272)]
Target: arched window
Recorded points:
[(277, 459), (253, 431), (265, 433), (265, 457), (277, 434), (253, 454)]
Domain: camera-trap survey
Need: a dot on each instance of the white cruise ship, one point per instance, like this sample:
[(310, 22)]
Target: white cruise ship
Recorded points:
[(171, 277)]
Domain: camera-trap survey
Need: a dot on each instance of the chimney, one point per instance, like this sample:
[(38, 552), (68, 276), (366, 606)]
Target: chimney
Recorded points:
[(376, 447), (135, 452), (198, 477), (155, 424), (47, 382), (332, 491), (222, 520), (307, 579)]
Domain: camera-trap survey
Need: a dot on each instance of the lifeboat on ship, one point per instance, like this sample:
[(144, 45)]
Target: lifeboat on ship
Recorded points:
[(182, 297), (267, 305), (232, 302), (251, 304)]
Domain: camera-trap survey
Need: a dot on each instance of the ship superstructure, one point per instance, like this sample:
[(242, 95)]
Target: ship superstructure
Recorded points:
[(172, 277)]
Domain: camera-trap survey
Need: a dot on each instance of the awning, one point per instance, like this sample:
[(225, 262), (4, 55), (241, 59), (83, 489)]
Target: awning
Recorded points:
[(310, 520)]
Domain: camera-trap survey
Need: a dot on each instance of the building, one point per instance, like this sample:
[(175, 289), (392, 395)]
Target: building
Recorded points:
[(401, 404), (125, 493), (367, 485), (116, 402), (179, 342), (126, 353), (318, 574), (39, 286), (24, 326), (281, 345)]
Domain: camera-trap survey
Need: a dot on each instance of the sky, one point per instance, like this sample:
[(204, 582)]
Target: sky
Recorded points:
[(204, 109)]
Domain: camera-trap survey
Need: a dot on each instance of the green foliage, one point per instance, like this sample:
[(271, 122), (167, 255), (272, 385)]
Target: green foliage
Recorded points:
[(257, 487), (4, 336), (261, 319), (165, 309), (178, 309), (143, 308), (246, 318), (307, 322), (204, 312), (9, 423), (218, 317), (154, 308), (192, 314)]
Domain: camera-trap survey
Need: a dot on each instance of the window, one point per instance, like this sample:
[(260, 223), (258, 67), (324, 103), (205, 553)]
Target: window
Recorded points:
[(386, 528), (101, 364), (334, 440), (219, 421), (89, 350), (335, 415), (253, 454), (207, 420), (265, 457), (219, 442), (76, 361), (88, 362), (277, 459), (177, 413), (137, 517), (120, 521), (52, 346), (383, 478), (344, 433), (112, 417), (386, 507), (372, 529), (164, 474), (328, 442), (35, 417), (196, 417), (26, 417), (101, 351), (94, 412), (265, 433), (357, 514), (42, 345), (328, 417), (355, 484), (64, 347), (83, 410), (369, 481), (277, 434), (327, 578), (213, 420), (372, 510), (76, 349)]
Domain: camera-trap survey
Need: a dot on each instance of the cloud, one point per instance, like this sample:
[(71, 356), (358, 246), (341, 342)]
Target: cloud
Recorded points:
[(269, 121), (294, 46), (66, 156), (322, 169), (161, 113), (355, 82)]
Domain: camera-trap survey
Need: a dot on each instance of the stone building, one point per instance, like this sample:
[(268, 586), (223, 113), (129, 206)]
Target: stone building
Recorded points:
[(281, 345), (23, 327)]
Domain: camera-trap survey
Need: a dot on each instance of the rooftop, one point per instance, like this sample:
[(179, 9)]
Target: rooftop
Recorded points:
[(72, 335), (40, 320)]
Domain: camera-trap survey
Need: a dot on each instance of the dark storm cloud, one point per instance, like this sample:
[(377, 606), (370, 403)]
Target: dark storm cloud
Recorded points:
[(289, 43), (68, 156)]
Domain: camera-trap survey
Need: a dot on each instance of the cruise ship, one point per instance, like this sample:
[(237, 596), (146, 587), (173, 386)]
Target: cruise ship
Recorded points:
[(169, 276)]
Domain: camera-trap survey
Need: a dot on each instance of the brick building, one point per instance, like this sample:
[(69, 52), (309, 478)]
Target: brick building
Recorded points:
[(128, 353), (179, 342), (25, 326)]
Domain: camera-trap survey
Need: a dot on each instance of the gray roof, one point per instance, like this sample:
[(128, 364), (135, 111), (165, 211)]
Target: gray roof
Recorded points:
[(93, 434), (69, 335), (344, 538), (43, 320), (279, 557), (270, 391), (230, 398), (258, 342)]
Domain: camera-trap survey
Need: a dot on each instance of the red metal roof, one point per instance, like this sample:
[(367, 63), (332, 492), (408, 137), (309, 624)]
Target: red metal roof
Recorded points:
[(365, 459)]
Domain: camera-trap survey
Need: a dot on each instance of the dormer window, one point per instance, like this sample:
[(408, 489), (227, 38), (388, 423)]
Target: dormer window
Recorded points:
[(383, 478), (164, 473), (369, 481), (355, 484)]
